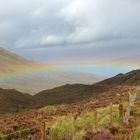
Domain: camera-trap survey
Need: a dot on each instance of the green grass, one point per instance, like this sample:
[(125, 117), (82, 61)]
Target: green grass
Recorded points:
[(136, 134), (75, 129), (48, 109), (84, 121), (67, 126)]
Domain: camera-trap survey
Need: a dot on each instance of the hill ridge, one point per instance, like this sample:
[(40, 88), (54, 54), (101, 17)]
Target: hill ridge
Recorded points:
[(73, 93)]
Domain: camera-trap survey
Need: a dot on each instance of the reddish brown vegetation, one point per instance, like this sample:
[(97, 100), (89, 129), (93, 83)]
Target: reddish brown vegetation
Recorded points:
[(32, 119)]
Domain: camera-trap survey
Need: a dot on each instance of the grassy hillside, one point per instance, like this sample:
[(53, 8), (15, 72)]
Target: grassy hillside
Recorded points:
[(130, 78), (78, 92), (67, 122), (12, 101), (74, 93), (69, 94)]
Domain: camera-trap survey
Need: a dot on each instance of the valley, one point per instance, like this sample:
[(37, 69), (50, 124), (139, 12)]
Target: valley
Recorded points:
[(72, 111), (31, 77)]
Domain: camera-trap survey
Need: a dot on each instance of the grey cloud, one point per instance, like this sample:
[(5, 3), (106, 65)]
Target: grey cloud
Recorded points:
[(102, 24), (26, 23), (97, 19)]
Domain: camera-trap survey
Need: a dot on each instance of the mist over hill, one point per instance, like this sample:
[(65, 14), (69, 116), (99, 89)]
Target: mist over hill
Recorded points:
[(31, 77), (12, 63)]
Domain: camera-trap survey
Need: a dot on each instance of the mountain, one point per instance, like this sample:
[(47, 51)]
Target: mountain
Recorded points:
[(37, 81), (12, 63), (12, 100), (32, 77), (130, 78), (79, 92), (69, 94)]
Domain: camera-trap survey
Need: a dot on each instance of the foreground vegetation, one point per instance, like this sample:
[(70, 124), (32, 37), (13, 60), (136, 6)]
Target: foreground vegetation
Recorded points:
[(92, 119), (86, 127)]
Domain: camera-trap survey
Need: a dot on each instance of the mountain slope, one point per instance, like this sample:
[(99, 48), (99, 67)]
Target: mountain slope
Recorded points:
[(78, 92), (130, 78), (12, 100), (32, 77), (13, 63), (69, 94)]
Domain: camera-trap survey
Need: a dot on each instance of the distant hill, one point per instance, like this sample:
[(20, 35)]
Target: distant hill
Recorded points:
[(130, 78), (79, 92), (13, 63), (12, 100), (32, 77), (69, 94)]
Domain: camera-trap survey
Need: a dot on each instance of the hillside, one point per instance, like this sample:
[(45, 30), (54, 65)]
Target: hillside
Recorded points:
[(78, 92), (70, 93), (32, 77), (13, 63), (63, 94), (12, 100), (86, 119), (130, 78)]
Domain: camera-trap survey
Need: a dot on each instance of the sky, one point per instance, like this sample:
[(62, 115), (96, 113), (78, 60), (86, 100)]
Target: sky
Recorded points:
[(81, 35)]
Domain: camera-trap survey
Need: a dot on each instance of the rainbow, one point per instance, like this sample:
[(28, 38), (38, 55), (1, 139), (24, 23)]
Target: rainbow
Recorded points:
[(30, 72), (103, 70)]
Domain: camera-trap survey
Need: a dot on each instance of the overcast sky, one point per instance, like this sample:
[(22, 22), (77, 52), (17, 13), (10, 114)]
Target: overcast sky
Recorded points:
[(71, 32)]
